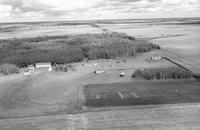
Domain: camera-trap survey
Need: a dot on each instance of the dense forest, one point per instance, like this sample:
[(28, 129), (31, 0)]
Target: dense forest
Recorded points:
[(66, 49)]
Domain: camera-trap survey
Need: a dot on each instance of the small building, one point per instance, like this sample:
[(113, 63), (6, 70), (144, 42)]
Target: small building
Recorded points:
[(99, 71), (122, 75), (50, 69), (27, 72), (124, 60), (31, 67), (44, 65), (156, 58)]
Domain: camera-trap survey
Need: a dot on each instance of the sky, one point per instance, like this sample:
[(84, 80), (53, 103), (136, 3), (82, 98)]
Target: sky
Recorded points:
[(63, 10)]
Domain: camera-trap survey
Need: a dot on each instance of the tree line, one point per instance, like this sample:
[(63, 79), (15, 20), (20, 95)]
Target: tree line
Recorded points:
[(162, 73), (25, 51)]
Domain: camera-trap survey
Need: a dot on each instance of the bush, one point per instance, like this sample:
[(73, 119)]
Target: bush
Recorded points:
[(7, 69), (162, 73)]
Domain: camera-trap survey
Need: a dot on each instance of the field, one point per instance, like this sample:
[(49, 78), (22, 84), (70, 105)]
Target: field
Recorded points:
[(142, 93), (44, 29), (84, 100), (179, 46), (158, 117), (177, 36)]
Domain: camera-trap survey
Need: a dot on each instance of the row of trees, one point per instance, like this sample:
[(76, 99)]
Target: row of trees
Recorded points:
[(53, 56), (162, 73), (6, 69)]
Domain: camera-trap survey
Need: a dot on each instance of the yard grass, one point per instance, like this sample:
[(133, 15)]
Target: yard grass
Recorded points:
[(142, 93)]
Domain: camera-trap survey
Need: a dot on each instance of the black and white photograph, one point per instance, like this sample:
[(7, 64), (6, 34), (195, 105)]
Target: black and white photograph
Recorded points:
[(99, 64)]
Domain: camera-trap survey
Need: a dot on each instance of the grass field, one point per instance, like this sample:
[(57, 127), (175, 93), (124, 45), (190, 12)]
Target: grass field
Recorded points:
[(142, 93)]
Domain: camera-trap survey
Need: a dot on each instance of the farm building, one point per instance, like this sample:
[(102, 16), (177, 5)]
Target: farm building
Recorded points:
[(44, 65)]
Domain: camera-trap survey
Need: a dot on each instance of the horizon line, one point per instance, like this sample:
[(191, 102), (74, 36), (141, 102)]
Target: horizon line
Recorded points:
[(84, 20)]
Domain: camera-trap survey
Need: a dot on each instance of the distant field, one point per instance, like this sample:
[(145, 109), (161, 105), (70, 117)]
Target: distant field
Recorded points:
[(142, 93), (178, 37)]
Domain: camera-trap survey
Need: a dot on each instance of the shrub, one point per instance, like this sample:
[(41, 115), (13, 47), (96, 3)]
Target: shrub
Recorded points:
[(162, 73), (7, 69)]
